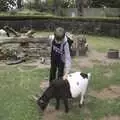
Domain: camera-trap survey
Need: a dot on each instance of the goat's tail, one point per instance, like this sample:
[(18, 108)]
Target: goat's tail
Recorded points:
[(89, 76)]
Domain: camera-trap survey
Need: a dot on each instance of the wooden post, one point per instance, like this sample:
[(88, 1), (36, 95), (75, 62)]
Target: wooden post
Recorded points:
[(77, 48)]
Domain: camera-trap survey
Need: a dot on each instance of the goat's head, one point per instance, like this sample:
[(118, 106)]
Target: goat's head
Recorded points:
[(42, 104)]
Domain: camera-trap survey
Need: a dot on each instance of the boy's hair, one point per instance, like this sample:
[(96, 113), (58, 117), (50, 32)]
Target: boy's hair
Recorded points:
[(59, 33)]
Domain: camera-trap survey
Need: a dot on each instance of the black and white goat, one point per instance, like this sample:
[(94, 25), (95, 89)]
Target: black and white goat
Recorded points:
[(75, 85)]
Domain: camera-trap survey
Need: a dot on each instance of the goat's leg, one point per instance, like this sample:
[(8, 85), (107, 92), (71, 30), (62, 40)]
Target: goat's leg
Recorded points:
[(66, 105), (57, 103), (81, 100)]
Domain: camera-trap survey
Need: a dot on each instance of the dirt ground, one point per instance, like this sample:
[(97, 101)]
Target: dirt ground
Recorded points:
[(92, 58), (111, 92), (51, 113), (111, 118)]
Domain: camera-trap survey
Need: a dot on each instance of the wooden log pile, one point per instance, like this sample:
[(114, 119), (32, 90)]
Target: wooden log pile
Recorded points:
[(22, 45), (33, 47)]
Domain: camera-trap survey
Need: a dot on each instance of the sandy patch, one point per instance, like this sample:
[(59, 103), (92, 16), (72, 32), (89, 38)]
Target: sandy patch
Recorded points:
[(111, 92), (44, 84), (111, 118), (51, 114), (92, 58)]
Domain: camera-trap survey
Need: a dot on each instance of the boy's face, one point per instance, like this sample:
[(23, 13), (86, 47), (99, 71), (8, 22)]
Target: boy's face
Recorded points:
[(59, 40), (59, 34)]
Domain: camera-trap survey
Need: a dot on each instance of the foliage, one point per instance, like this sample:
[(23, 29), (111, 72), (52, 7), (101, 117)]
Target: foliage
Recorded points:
[(68, 4), (36, 5), (7, 4), (107, 3), (19, 4), (50, 1)]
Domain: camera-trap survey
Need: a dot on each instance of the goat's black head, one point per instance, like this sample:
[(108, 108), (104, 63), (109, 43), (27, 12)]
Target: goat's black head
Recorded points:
[(42, 104)]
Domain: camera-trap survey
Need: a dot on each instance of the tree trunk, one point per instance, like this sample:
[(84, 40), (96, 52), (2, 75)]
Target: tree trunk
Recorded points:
[(19, 4), (80, 6)]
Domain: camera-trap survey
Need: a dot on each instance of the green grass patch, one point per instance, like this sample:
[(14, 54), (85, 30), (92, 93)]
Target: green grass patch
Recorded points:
[(16, 89), (100, 80), (94, 109), (102, 44)]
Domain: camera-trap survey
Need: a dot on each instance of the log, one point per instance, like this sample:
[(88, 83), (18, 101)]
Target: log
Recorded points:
[(11, 30), (30, 33), (24, 40)]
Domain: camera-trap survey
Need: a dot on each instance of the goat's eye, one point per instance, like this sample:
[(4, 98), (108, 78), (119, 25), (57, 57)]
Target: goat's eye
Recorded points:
[(70, 75), (77, 83)]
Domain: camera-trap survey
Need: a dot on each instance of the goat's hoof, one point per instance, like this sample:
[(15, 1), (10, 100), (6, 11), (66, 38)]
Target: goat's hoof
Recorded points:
[(80, 105)]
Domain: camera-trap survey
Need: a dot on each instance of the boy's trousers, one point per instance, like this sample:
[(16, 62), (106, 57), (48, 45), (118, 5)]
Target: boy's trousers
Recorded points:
[(56, 71)]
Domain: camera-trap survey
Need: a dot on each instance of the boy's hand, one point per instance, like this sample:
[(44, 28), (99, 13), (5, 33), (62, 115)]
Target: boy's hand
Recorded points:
[(65, 76)]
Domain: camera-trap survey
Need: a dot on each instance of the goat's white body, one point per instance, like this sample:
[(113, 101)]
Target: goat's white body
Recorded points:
[(3, 33), (78, 84)]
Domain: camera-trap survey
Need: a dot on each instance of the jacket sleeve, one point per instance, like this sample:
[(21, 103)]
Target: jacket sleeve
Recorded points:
[(50, 40), (67, 58)]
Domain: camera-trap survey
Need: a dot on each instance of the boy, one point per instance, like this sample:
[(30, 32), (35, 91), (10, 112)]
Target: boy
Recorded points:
[(60, 55)]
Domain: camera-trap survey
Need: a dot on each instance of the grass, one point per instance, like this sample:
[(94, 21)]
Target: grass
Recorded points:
[(102, 44), (16, 88), (93, 110), (100, 81)]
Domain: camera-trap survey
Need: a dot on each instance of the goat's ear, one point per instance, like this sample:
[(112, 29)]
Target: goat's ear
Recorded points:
[(89, 76), (84, 75)]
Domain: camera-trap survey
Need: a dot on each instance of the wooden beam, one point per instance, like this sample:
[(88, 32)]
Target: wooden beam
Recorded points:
[(24, 40)]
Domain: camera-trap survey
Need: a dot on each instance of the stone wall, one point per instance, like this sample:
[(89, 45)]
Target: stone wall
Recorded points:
[(108, 27)]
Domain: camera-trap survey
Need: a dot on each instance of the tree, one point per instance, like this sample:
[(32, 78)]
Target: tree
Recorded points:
[(80, 6), (37, 4), (19, 4), (7, 4), (57, 4)]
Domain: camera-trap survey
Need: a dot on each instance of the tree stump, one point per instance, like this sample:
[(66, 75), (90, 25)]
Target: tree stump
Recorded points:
[(81, 46)]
